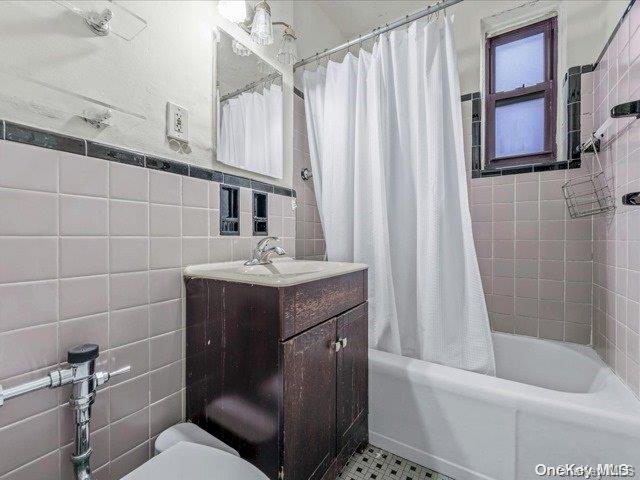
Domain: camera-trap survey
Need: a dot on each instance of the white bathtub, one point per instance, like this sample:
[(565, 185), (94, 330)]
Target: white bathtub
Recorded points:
[(551, 403)]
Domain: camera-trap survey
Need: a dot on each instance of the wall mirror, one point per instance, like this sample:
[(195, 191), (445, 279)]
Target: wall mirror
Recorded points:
[(250, 112)]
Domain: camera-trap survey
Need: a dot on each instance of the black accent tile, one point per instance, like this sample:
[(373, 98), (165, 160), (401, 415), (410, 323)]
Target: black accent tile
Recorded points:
[(298, 92), (199, 172), (476, 174), (2, 129), (260, 215), (574, 70), (476, 110), (285, 192), (229, 210), (168, 166), (574, 163), (44, 139), (490, 173), (475, 95), (475, 134), (574, 87), (545, 168), (573, 144), (587, 68), (573, 117), (217, 176), (114, 154), (261, 186), (475, 157), (236, 181), (466, 97), (517, 170)]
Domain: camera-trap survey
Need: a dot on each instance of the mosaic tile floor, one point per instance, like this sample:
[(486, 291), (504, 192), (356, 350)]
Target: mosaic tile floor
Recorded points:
[(378, 464)]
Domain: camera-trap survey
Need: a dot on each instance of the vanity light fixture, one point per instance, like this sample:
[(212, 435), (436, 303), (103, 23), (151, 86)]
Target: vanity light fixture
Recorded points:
[(257, 22), (233, 10), (261, 27), (287, 53)]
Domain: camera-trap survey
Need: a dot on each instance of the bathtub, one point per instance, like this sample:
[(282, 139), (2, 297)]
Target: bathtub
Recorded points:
[(551, 403)]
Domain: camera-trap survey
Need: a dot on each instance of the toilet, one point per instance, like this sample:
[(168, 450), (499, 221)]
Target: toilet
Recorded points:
[(187, 452)]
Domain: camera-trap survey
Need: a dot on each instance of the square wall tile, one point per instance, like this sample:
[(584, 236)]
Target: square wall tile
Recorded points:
[(80, 175)]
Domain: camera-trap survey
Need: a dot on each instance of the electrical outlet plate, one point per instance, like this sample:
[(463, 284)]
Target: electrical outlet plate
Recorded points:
[(177, 122)]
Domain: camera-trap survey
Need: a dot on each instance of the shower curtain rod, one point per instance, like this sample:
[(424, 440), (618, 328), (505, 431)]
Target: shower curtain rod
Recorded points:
[(269, 78), (378, 31)]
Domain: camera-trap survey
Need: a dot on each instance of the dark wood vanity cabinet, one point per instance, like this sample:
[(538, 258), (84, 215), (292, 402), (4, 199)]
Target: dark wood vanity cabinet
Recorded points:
[(280, 374)]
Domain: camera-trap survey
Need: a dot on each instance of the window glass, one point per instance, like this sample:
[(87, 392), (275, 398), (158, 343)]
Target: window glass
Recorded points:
[(519, 127), (519, 63)]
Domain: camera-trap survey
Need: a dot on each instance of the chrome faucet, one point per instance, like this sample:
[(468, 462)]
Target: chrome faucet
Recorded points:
[(85, 380), (263, 251)]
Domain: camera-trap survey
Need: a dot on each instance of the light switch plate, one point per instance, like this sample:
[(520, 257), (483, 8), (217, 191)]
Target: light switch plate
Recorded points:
[(177, 122)]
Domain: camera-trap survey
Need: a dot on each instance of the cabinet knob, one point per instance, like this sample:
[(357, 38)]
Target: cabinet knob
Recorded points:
[(336, 345), (343, 342)]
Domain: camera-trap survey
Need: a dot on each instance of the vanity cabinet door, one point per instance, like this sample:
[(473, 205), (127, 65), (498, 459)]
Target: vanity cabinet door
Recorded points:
[(309, 402), (352, 376)]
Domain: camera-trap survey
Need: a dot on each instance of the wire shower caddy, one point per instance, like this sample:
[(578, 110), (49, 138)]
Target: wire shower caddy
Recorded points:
[(589, 194)]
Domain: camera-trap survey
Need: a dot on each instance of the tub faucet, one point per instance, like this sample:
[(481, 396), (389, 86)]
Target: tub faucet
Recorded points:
[(263, 251), (85, 381)]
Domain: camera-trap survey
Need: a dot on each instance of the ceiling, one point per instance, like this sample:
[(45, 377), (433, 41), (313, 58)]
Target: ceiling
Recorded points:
[(356, 17)]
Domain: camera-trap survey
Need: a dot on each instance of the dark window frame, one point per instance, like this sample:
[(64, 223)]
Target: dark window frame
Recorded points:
[(547, 89)]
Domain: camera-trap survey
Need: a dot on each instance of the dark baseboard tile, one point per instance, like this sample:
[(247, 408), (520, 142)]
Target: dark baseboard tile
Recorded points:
[(543, 167), (42, 138), (470, 96), (235, 180), (200, 172), (170, 166), (113, 154), (261, 186)]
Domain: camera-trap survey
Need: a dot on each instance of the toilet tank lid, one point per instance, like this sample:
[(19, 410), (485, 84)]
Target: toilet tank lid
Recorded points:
[(189, 432), (188, 461)]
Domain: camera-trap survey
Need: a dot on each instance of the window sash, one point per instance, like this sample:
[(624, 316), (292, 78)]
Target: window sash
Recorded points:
[(547, 89)]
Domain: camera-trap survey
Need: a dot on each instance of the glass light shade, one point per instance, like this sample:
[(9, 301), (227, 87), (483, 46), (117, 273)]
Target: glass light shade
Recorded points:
[(233, 10), (287, 53), (262, 28), (239, 49)]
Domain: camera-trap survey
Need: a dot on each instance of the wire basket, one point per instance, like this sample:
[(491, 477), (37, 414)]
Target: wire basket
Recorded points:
[(589, 194)]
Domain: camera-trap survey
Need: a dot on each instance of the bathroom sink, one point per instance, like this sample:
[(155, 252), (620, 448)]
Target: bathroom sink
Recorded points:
[(281, 272)]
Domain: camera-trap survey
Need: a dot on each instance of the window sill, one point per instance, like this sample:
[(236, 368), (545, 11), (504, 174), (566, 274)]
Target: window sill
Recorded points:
[(514, 170)]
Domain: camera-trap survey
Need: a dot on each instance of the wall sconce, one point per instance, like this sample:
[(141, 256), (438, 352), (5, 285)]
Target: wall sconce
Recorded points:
[(259, 25)]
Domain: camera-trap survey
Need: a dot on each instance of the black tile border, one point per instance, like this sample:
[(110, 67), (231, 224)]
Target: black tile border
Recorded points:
[(107, 152), (15, 132), (42, 138), (543, 167)]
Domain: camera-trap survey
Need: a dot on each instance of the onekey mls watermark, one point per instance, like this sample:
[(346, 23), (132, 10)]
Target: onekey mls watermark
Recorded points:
[(602, 470)]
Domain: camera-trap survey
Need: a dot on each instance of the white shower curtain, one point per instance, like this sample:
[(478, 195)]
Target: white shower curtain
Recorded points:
[(251, 132), (385, 137)]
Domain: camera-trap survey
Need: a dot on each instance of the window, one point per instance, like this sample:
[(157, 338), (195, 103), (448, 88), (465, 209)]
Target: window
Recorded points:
[(521, 96)]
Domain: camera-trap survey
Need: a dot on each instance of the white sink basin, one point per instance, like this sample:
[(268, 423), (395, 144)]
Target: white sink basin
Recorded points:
[(281, 273)]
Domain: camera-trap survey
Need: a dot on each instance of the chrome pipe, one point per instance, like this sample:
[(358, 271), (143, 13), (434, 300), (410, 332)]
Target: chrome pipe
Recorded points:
[(85, 382), (378, 31)]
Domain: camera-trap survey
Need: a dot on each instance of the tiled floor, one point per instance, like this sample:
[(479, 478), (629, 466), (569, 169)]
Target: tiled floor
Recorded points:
[(378, 464)]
